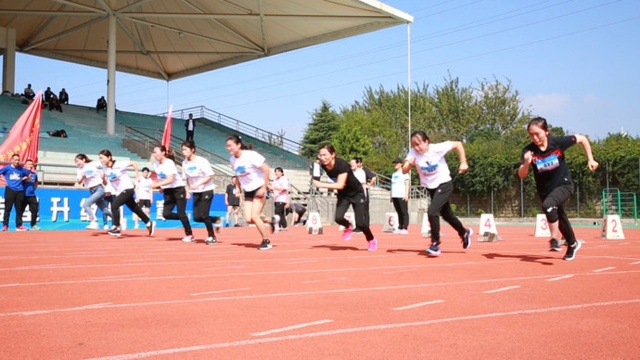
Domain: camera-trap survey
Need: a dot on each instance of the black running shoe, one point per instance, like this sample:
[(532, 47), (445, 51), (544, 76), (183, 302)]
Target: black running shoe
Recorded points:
[(151, 226), (114, 232), (265, 245), (572, 250), (434, 249), (466, 239), (554, 245)]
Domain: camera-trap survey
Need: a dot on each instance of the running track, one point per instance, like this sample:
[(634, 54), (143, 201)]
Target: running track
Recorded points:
[(85, 295)]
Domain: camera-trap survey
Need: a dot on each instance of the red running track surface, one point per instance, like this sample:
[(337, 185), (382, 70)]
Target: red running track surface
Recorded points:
[(86, 295)]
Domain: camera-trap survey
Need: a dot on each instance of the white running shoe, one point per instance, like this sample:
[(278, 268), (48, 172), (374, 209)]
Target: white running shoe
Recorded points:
[(93, 226), (188, 238), (106, 227)]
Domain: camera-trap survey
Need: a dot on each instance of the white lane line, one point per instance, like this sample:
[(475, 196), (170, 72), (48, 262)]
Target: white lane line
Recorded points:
[(329, 279), (501, 289), (36, 267), (560, 277), (85, 307), (119, 276), (635, 263), (226, 267), (299, 262), (239, 343), (200, 276), (88, 253), (293, 327), (419, 305), (604, 269), (219, 291)]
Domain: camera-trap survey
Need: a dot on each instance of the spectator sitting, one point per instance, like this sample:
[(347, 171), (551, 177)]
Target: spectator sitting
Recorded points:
[(63, 97), (54, 103), (47, 95), (28, 93), (102, 104)]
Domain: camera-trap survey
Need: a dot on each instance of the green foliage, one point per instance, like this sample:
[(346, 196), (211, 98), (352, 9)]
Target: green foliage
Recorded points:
[(350, 140), (490, 121), (324, 124)]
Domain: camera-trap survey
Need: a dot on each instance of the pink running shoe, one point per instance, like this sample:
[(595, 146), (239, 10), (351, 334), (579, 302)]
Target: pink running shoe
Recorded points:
[(373, 245), (346, 235)]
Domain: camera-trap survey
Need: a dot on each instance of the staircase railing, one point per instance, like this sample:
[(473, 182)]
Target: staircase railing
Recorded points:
[(240, 126)]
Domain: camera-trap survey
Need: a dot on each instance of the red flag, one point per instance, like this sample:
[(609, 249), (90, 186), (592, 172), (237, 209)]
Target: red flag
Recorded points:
[(24, 137), (166, 136)]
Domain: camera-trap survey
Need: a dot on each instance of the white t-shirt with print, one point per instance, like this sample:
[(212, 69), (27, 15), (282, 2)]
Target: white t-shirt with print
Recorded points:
[(118, 176), (194, 171), (166, 169), (92, 172), (399, 184), (281, 195), (247, 169), (432, 166), (143, 190)]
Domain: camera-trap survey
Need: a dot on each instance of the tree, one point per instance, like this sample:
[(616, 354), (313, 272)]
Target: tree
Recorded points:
[(324, 124), (350, 140)]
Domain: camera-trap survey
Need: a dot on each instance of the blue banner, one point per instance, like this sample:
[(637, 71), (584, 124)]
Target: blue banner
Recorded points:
[(61, 209)]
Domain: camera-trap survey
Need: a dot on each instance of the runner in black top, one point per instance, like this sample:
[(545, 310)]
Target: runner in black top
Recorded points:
[(350, 192), (553, 181)]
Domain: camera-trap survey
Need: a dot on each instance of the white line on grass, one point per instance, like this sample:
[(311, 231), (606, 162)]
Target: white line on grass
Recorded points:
[(293, 327)]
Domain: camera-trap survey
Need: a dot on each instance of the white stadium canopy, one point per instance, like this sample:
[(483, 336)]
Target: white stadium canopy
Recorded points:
[(170, 39)]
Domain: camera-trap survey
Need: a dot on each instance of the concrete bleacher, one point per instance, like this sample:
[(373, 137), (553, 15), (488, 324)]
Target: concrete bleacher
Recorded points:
[(211, 136), (86, 131)]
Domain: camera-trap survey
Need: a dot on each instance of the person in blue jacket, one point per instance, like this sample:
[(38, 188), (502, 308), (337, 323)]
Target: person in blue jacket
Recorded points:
[(14, 175), (30, 198)]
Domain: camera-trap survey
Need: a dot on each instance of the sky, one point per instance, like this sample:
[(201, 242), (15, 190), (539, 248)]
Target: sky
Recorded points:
[(576, 63)]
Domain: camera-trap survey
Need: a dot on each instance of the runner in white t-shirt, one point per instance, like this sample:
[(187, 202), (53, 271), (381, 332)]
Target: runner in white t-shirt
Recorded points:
[(199, 175), (116, 173), (429, 161), (144, 194), (90, 175), (172, 186), (253, 176)]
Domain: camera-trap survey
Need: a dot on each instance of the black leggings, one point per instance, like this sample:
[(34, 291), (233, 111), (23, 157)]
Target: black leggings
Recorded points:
[(554, 211), (201, 206), (126, 198), (440, 206), (176, 197), (280, 211), (359, 209)]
